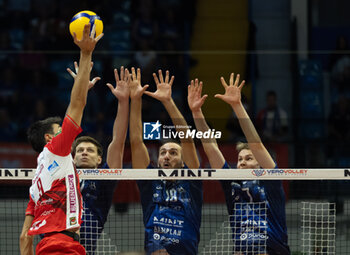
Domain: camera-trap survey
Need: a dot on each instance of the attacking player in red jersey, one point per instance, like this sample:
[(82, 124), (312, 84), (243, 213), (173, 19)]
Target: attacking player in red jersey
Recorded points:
[(55, 187)]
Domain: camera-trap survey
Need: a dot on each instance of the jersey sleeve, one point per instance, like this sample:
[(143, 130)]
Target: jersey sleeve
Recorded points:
[(61, 144), (227, 189), (30, 208)]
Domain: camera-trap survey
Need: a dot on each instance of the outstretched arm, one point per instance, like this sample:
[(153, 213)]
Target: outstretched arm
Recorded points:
[(115, 150), (26, 241), (232, 96), (163, 94), (195, 102), (81, 82), (139, 153)]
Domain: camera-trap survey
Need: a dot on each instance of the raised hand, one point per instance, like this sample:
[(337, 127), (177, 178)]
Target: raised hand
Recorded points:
[(135, 87), (88, 41), (232, 94), (121, 90), (163, 92), (194, 95), (76, 67)]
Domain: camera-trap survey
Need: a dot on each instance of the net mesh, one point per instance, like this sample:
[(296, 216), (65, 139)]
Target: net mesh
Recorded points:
[(318, 227)]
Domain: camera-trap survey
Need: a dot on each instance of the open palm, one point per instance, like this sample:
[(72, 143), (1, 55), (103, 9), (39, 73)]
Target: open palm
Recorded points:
[(136, 89), (194, 95), (233, 91), (74, 75), (121, 90), (163, 92)]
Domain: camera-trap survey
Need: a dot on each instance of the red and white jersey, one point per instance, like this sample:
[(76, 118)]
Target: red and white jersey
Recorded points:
[(55, 189)]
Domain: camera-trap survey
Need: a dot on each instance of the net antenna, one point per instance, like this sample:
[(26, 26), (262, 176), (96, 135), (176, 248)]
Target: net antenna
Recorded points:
[(318, 227)]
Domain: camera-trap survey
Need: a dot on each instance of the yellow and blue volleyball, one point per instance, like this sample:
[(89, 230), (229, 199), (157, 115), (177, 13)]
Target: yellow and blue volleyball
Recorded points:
[(82, 18)]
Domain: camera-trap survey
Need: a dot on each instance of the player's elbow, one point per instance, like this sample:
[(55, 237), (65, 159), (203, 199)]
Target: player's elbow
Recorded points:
[(23, 238)]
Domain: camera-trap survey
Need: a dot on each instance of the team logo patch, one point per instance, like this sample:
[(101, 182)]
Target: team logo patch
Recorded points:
[(72, 221), (152, 130)]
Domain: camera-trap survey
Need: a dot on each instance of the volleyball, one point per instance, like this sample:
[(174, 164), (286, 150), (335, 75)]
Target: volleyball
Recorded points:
[(82, 18)]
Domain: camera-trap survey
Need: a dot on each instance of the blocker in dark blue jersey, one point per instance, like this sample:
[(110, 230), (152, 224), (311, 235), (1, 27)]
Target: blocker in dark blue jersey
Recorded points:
[(172, 215), (97, 200), (257, 216)]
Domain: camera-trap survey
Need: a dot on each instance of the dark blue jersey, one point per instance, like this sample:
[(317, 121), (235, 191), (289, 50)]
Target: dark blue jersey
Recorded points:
[(260, 224), (97, 200), (172, 215)]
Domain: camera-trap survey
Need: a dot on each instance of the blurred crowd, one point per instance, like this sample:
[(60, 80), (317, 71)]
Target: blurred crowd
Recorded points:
[(36, 48)]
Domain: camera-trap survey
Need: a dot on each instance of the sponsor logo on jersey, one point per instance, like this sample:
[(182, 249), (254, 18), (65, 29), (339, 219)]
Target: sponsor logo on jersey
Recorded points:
[(156, 236), (53, 166), (72, 199), (46, 202), (72, 221), (169, 239), (45, 213), (254, 236), (38, 224), (168, 222), (165, 230)]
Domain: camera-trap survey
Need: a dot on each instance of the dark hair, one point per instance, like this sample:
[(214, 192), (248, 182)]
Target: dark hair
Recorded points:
[(245, 146), (163, 141), (36, 132), (87, 139)]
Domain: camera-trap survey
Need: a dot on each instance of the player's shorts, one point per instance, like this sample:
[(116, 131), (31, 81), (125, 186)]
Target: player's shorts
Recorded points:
[(59, 244)]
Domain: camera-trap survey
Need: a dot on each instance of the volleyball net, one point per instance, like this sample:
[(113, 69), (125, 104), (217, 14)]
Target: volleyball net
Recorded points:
[(317, 211)]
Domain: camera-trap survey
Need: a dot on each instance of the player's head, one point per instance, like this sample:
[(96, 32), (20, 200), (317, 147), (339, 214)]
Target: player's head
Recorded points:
[(271, 99), (42, 132), (170, 156), (87, 152), (246, 159)]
